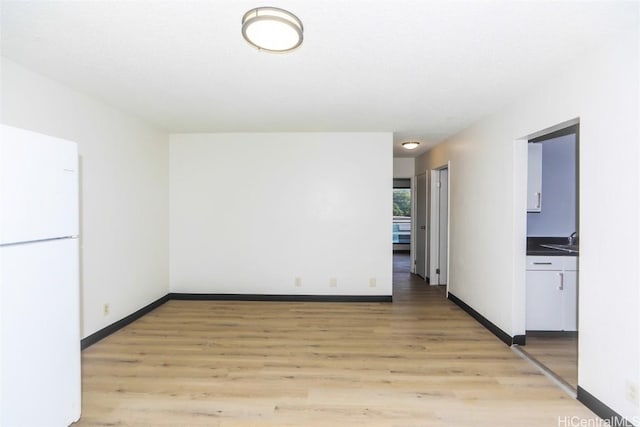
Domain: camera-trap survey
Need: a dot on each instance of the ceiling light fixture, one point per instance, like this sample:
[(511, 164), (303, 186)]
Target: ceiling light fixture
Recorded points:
[(410, 145), (272, 29)]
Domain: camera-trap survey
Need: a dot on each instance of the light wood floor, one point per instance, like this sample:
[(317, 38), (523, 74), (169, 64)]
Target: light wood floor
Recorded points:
[(558, 352), (420, 361)]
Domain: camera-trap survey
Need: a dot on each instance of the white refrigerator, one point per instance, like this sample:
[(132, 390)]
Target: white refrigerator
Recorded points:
[(39, 273)]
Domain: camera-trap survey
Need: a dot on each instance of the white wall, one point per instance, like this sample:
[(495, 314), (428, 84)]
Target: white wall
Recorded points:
[(124, 191), (403, 167), (487, 228), (250, 212)]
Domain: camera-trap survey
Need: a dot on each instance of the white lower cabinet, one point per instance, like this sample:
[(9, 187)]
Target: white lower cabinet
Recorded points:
[(570, 301), (551, 293), (544, 301)]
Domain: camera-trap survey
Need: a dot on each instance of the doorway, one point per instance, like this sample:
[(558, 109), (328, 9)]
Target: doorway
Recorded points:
[(553, 253), (420, 259), (439, 241), (402, 206)]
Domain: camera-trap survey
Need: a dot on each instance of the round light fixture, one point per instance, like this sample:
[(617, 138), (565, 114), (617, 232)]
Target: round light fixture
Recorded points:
[(410, 145), (272, 29)]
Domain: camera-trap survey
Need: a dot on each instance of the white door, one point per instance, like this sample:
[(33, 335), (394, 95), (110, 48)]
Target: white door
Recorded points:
[(443, 235), (439, 234), (421, 226)]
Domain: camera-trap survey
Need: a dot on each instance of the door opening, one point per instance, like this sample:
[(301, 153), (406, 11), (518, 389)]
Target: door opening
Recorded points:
[(401, 215), (551, 277)]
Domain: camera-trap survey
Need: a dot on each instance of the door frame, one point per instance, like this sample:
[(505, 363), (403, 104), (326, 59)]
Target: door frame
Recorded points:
[(519, 243), (412, 245), (434, 224)]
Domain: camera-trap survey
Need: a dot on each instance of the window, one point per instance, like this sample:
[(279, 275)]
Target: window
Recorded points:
[(402, 215)]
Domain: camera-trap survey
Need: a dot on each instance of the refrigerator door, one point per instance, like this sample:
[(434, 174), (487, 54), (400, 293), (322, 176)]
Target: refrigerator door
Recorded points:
[(40, 334), (38, 186)]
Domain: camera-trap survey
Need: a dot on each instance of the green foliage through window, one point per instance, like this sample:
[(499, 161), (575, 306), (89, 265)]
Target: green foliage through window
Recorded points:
[(401, 202)]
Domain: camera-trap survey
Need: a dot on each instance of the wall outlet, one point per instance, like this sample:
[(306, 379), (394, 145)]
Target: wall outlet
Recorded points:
[(333, 282), (297, 282), (372, 282), (105, 309), (631, 392)]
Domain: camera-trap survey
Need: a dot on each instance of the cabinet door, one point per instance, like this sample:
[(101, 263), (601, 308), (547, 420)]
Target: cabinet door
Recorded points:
[(544, 309), (534, 178), (570, 301)]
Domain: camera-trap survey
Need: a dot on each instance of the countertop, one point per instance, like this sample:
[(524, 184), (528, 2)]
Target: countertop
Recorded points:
[(534, 248)]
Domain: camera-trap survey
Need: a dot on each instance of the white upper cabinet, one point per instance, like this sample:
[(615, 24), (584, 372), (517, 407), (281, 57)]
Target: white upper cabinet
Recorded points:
[(534, 178)]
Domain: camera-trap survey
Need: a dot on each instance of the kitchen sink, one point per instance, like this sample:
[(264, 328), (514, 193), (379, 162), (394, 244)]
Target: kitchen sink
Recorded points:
[(566, 248)]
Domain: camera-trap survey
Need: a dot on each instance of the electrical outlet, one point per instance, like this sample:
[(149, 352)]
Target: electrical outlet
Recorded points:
[(105, 309), (372, 282), (297, 282), (631, 391), (333, 282)]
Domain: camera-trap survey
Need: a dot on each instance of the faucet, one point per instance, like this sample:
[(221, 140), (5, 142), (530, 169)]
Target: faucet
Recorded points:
[(573, 238)]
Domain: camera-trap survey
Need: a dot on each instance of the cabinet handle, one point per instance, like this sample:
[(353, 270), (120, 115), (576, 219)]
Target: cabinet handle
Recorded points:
[(542, 263), (539, 195), (561, 287)]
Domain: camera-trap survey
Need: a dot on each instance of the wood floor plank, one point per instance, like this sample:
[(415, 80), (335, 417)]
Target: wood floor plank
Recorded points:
[(558, 352), (419, 361)]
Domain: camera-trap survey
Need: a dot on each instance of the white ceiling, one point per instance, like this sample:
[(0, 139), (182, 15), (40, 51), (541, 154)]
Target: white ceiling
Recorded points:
[(420, 69)]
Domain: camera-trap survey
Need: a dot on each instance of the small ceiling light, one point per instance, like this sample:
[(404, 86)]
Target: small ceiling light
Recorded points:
[(410, 145), (272, 29)]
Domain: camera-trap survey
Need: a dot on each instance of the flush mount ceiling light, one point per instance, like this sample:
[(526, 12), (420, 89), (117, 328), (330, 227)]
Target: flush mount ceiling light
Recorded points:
[(410, 145), (272, 29)]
